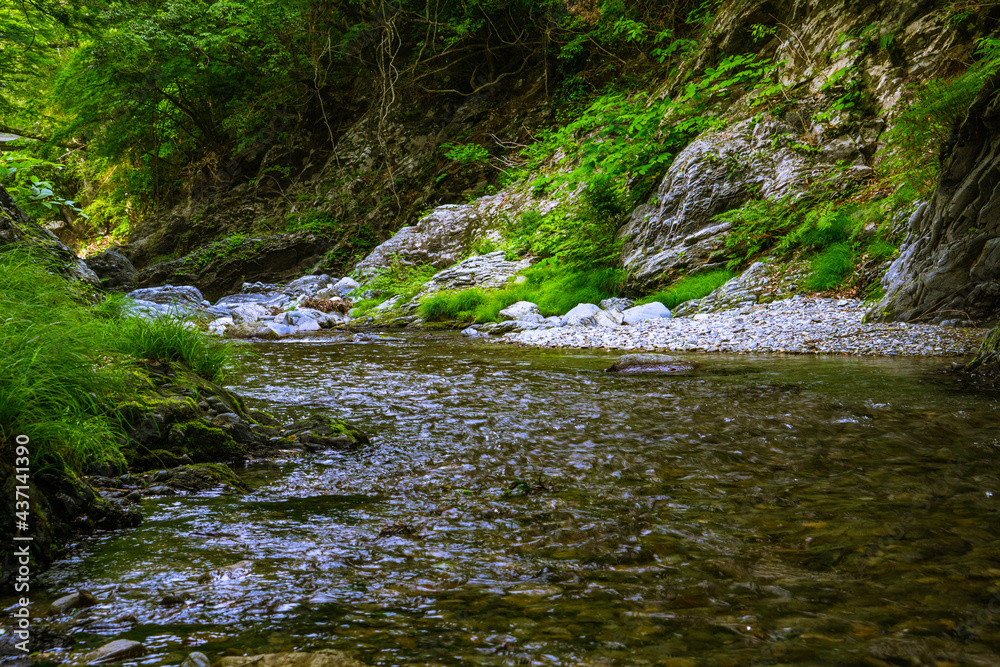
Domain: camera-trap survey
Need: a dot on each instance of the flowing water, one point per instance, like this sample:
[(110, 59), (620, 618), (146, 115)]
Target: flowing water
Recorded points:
[(521, 507)]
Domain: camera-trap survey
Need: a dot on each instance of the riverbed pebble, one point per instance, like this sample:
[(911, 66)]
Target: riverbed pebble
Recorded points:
[(800, 325)]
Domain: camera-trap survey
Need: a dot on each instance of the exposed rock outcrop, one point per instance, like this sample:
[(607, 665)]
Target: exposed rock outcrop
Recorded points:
[(717, 172), (222, 268), (949, 266), (114, 270)]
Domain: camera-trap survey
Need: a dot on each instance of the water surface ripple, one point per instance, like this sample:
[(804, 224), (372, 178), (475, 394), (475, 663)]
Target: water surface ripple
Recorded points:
[(523, 507)]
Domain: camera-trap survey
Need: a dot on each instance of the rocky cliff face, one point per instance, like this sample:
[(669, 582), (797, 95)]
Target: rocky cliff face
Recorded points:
[(325, 204), (949, 266), (847, 66), (675, 232), (810, 140)]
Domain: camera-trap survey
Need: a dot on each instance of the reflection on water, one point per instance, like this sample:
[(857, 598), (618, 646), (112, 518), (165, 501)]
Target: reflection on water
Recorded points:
[(522, 507)]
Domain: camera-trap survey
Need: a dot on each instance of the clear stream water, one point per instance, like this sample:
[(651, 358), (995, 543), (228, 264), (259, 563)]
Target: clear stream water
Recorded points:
[(521, 507)]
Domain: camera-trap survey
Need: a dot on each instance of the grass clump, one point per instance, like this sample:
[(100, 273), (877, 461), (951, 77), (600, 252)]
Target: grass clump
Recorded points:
[(691, 287), (401, 279), (555, 286), (168, 339), (66, 366), (51, 371), (830, 267)]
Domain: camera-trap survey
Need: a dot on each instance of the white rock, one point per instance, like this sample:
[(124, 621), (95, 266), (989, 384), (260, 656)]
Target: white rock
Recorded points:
[(645, 312), (273, 330), (306, 325), (603, 319), (389, 303), (583, 315), (345, 286), (249, 312), (295, 318), (522, 310)]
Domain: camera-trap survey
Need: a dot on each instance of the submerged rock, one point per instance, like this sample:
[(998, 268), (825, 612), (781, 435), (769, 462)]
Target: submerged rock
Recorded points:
[(117, 651), (326, 658), (650, 363), (227, 573), (80, 598)]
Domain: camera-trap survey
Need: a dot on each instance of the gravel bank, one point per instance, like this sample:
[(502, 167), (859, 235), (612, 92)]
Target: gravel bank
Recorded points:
[(800, 325)]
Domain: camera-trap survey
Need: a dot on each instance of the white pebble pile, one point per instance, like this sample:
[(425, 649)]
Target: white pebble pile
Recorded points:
[(799, 325)]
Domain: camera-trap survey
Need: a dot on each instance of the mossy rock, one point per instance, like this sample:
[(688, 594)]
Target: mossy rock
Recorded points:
[(203, 476), (325, 433), (204, 443), (150, 460)]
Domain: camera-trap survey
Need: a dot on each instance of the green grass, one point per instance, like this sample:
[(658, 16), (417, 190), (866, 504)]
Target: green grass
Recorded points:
[(65, 364), (690, 287), (830, 267), (554, 286)]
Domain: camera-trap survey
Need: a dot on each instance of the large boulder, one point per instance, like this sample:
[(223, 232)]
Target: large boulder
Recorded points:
[(342, 288), (587, 315), (169, 294), (307, 285), (949, 263), (114, 270), (676, 230), (440, 239), (648, 311)]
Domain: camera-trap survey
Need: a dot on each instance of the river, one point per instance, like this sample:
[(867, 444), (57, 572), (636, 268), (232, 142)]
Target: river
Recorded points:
[(522, 507)]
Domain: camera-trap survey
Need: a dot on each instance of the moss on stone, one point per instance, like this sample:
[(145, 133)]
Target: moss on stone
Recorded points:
[(204, 443), (219, 473)]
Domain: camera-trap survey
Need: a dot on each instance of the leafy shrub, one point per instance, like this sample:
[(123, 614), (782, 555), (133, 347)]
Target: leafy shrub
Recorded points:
[(880, 249), (466, 153), (401, 279), (756, 226), (821, 227), (690, 287), (830, 267), (319, 222)]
